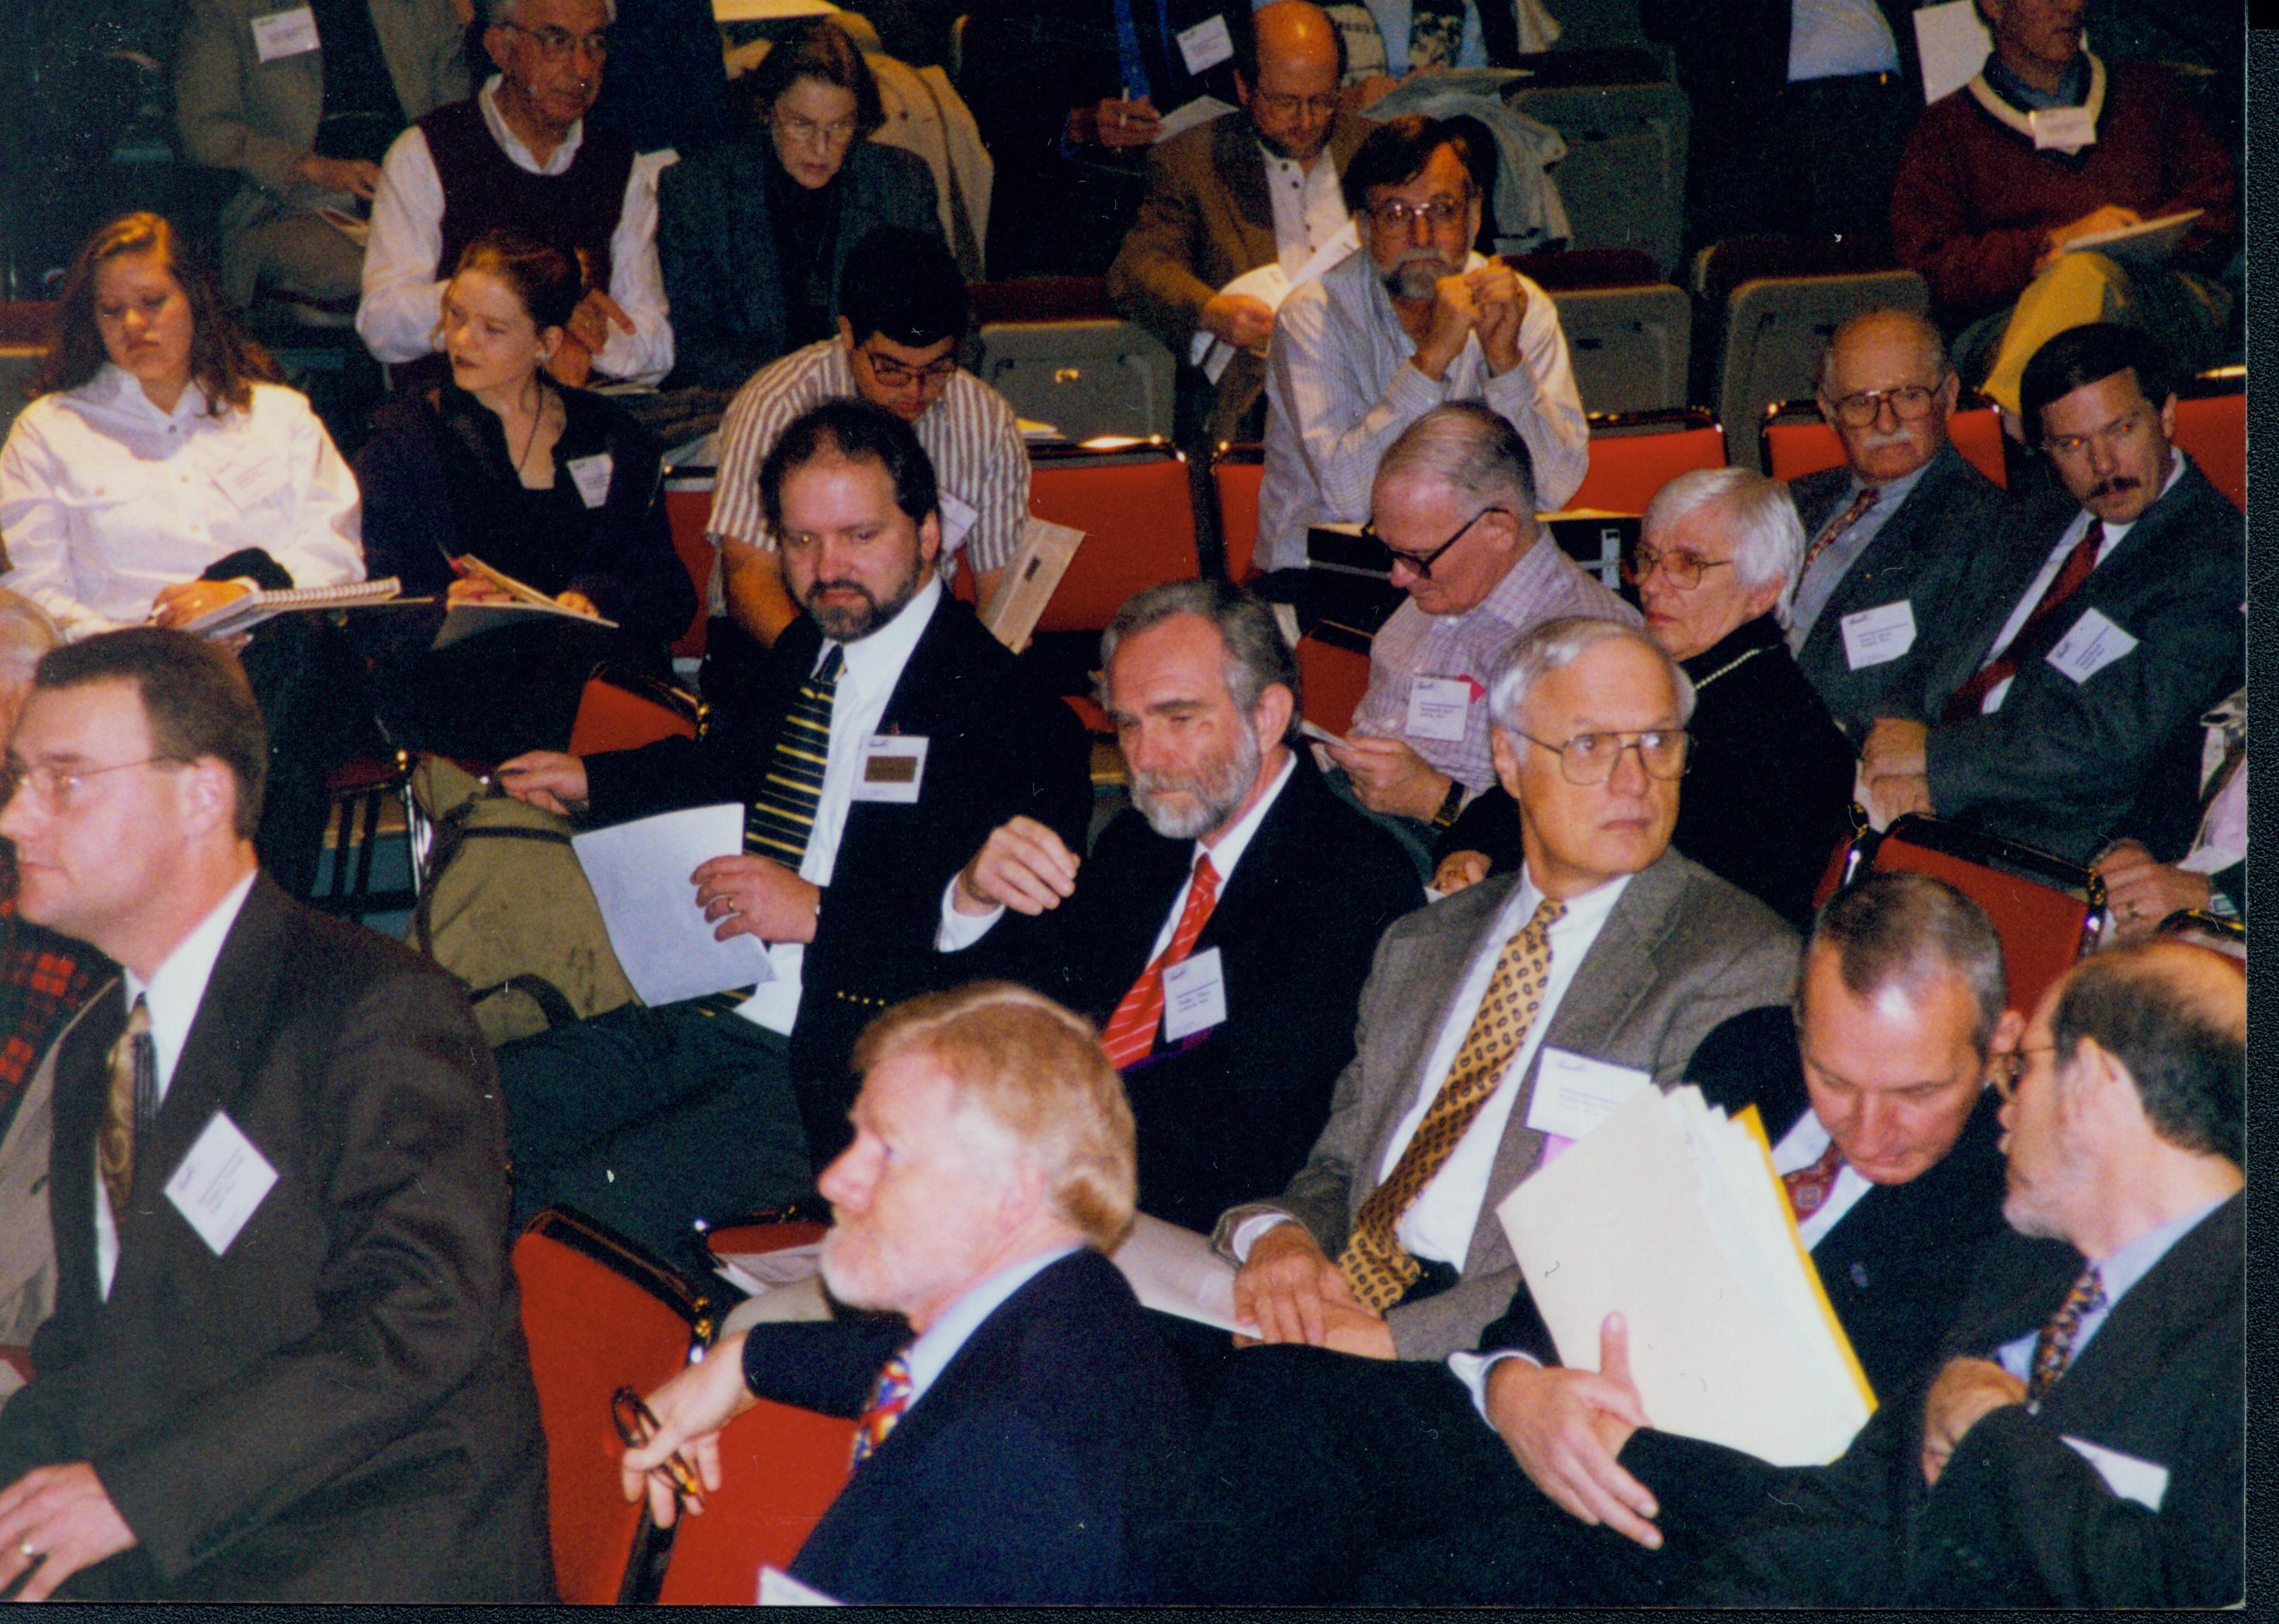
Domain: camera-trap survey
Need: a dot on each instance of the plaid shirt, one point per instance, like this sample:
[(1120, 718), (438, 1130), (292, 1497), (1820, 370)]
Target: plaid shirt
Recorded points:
[(43, 980)]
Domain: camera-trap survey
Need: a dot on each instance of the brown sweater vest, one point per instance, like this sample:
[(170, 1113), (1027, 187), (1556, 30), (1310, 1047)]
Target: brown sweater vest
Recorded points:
[(485, 190)]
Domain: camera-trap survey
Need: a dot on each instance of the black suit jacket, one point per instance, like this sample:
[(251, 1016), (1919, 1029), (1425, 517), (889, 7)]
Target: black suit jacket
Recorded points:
[(1043, 1465), (999, 747), (1232, 1111), (2063, 763), (1925, 554), (2018, 1519), (338, 1407)]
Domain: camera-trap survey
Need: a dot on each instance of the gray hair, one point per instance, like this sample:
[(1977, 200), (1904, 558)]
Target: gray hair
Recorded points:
[(1257, 657), (1768, 536), (1475, 454), (26, 632), (499, 13), (1924, 330), (1560, 641), (1906, 930)]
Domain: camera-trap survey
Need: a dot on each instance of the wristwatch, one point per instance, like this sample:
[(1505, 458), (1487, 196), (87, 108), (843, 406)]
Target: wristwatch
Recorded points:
[(1451, 803)]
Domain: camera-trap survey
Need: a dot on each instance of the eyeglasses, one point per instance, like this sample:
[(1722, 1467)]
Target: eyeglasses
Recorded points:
[(1590, 758), (807, 133), (1394, 215), (556, 44), (1685, 568), (1290, 106), (2005, 1070), (2115, 436), (1423, 566), (60, 787), (894, 374), (1908, 402), (637, 1424)]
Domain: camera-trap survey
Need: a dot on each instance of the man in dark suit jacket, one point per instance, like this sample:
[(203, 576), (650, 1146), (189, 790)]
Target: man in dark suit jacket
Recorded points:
[(1209, 214), (286, 1360), (700, 1111), (1900, 560), (1030, 1444), (1204, 694), (2116, 623), (1872, 1089), (1646, 953), (2084, 1445)]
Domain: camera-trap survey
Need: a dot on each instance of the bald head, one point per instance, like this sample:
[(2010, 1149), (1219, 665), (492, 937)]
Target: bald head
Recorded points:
[(2176, 1015), (1296, 32), (1286, 74), (1879, 367)]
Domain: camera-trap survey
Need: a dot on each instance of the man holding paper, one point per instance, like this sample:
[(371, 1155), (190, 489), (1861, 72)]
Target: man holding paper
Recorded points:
[(2083, 1446), (894, 733), (1236, 195), (2066, 708)]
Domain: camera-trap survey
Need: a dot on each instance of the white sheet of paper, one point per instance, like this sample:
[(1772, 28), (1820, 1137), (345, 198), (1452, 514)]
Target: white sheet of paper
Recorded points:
[(220, 1182), (1313, 731), (1186, 115), (1879, 635), (893, 766), (285, 33), (592, 477), (2093, 644), (1436, 705), (958, 517), (639, 872), (1194, 995), (250, 484), (1953, 42), (1174, 1271), (2145, 1481), (757, 1272), (779, 1588), (1574, 1093), (1269, 284), (1207, 44), (2068, 129)]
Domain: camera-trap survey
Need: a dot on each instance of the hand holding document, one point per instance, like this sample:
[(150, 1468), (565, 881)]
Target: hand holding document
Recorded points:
[(1174, 1271), (2147, 240), (1270, 285), (515, 604), (640, 875), (248, 610), (1669, 1212)]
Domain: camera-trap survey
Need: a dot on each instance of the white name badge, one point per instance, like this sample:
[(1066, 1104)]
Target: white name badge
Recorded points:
[(591, 475), (2066, 128), (1207, 44), (1194, 995), (285, 33), (250, 484), (2145, 1481), (779, 1588), (1879, 635), (1436, 706), (957, 521), (1575, 1093), (220, 1182), (2093, 644), (893, 765)]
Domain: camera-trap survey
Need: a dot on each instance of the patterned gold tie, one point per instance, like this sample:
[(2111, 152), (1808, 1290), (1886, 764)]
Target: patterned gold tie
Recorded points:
[(128, 1108), (1374, 1263), (2053, 1348)]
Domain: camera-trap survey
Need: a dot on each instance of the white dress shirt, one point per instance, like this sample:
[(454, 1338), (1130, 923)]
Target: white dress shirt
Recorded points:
[(930, 1355), (1341, 387), (872, 666), (105, 500), (403, 279), (173, 992), (1309, 206)]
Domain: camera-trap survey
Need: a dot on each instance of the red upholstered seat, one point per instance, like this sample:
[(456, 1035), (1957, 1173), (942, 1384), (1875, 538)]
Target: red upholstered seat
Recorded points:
[(1628, 467), (1138, 517), (780, 1468), (1236, 474), (687, 506), (619, 710), (1334, 674), (2213, 430)]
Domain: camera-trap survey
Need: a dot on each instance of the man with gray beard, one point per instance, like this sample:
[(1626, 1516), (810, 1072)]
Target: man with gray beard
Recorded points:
[(1222, 928)]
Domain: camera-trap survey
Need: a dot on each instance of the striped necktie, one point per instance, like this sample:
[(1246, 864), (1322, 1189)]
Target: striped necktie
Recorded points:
[(888, 1400), (1374, 1263), (1130, 1031), (2053, 1348)]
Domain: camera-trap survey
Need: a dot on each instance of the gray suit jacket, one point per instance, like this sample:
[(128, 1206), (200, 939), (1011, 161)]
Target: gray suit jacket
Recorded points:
[(1681, 951), (27, 1240), (236, 112), (1923, 554)]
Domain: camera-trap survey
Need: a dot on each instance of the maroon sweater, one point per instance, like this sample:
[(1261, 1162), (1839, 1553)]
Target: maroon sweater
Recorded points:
[(1974, 200)]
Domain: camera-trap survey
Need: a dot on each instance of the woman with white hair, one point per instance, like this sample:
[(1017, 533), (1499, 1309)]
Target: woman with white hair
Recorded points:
[(1769, 778)]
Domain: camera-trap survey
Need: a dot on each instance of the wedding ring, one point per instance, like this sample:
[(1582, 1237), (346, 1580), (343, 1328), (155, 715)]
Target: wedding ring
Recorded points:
[(30, 1553)]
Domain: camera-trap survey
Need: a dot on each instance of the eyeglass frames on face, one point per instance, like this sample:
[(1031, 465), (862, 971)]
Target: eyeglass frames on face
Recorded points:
[(1290, 106), (1394, 215), (1907, 403), (1421, 564), (807, 132), (1589, 758), (893, 374), (1685, 568), (556, 44), (59, 786), (2005, 1070)]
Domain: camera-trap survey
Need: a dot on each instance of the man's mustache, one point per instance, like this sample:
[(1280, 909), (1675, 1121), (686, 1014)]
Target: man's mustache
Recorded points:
[(2115, 485)]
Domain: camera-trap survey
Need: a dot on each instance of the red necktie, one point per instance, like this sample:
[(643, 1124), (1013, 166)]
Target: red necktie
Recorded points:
[(1131, 1031), (1809, 1187), (2038, 636), (1836, 526)]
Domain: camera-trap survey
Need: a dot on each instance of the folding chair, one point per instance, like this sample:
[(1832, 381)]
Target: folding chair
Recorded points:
[(687, 509), (360, 791), (1137, 516), (1629, 335), (1624, 177), (1794, 441), (599, 1314), (1633, 454), (1237, 472), (624, 711), (2212, 428), (1085, 377)]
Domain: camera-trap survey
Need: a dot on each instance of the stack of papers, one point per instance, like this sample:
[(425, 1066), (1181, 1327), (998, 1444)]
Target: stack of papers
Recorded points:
[(1669, 1212)]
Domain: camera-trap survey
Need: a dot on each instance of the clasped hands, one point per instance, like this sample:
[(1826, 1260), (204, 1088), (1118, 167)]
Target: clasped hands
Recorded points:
[(571, 363), (1292, 1292), (1490, 302), (1894, 772), (1389, 777)]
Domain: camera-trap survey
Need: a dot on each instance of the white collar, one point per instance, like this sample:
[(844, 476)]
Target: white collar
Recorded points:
[(114, 386), (511, 144), (177, 985), (930, 1355), (1588, 911), (1235, 841), (886, 651)]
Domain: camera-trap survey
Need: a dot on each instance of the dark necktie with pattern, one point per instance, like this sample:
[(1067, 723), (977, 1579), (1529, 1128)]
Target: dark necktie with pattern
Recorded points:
[(889, 1398), (129, 1107), (2053, 1348), (1807, 1187), (1836, 527), (1374, 1262)]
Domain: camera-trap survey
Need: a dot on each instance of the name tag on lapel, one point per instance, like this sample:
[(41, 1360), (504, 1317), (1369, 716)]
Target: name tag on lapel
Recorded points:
[(958, 518), (779, 1588), (2093, 644), (1194, 995), (893, 766), (1436, 707), (591, 476), (220, 1182), (1879, 635), (1207, 44), (2145, 1481), (2068, 129), (285, 33), (1575, 1093), (250, 484)]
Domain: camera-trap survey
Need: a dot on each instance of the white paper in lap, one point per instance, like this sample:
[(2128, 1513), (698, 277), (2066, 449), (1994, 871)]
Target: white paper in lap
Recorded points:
[(639, 872), (1174, 1271)]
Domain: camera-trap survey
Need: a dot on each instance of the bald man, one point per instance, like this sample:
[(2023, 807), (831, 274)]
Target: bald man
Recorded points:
[(1236, 194), (1889, 528)]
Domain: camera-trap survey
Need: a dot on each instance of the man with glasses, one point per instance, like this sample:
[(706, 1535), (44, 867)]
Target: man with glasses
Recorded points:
[(1454, 499), (285, 1361), (1895, 529), (1607, 956), (519, 155), (2065, 710), (1414, 319), (1237, 193), (902, 314)]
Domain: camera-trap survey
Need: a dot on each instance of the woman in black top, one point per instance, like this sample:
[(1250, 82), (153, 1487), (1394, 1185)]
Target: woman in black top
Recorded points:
[(555, 487)]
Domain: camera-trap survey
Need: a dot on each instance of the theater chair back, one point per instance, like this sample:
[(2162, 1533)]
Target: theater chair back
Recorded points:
[(597, 1315), (1333, 670), (2212, 428), (780, 1468), (1237, 471), (624, 711), (1633, 454), (2048, 911), (1138, 520), (687, 507)]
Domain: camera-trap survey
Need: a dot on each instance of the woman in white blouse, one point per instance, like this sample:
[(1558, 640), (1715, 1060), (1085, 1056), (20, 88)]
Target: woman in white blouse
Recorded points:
[(162, 471)]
